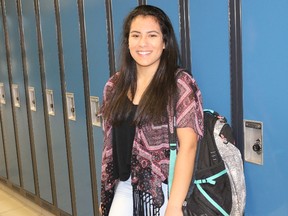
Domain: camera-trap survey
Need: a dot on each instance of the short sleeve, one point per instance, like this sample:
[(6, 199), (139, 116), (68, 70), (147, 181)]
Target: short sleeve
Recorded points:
[(189, 107)]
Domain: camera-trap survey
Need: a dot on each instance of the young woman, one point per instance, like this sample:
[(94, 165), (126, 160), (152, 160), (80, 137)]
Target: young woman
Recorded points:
[(137, 109)]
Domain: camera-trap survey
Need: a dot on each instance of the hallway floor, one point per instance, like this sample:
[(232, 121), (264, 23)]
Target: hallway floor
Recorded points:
[(12, 204)]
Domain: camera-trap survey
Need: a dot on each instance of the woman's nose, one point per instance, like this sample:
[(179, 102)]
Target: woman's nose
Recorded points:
[(143, 41)]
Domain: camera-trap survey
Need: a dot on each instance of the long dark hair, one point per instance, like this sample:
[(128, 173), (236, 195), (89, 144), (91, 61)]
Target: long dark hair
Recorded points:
[(154, 101)]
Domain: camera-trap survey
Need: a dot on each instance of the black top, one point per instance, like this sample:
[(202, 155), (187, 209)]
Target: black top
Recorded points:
[(122, 140)]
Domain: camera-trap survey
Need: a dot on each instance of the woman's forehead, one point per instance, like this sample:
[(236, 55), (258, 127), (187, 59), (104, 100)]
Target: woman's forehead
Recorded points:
[(144, 22)]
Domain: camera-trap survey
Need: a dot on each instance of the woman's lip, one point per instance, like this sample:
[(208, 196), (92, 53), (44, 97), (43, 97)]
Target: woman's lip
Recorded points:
[(144, 52)]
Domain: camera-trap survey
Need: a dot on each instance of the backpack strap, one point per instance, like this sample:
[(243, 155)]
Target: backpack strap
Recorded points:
[(211, 179), (173, 155), (215, 204)]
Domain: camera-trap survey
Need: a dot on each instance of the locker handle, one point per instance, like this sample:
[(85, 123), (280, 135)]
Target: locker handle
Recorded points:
[(15, 94), (50, 102), (2, 92), (95, 108), (71, 111), (32, 98)]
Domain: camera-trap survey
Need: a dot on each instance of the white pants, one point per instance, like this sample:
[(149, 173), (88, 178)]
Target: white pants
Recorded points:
[(122, 204)]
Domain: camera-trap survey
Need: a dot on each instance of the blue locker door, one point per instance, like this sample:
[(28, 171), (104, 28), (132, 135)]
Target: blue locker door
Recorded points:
[(3, 171), (53, 83), (120, 10), (21, 120), (76, 106), (265, 75), (98, 65), (172, 10), (8, 134), (209, 34), (37, 114)]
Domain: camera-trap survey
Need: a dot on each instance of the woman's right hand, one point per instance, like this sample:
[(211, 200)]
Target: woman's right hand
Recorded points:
[(100, 209)]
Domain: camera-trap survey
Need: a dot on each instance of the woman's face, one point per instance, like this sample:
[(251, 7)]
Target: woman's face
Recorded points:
[(146, 42)]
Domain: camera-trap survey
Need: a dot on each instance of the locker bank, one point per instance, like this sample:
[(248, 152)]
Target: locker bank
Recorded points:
[(56, 56)]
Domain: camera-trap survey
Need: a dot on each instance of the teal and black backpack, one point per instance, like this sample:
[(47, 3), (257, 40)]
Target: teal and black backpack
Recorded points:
[(218, 184)]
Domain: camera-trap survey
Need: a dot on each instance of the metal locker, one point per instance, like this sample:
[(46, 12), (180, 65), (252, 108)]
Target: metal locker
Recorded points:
[(43, 169), (76, 126), (98, 74), (8, 133), (18, 94), (50, 64)]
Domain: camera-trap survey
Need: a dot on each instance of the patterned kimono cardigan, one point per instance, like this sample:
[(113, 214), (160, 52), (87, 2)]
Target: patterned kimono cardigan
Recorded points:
[(150, 151)]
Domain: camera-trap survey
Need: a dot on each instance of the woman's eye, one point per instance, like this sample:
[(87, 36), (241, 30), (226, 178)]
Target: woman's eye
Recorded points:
[(134, 35), (153, 35)]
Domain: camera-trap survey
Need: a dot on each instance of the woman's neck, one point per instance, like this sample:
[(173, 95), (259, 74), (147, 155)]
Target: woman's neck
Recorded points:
[(144, 78)]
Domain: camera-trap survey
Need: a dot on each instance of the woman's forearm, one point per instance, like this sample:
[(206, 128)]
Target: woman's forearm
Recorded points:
[(182, 176), (183, 168)]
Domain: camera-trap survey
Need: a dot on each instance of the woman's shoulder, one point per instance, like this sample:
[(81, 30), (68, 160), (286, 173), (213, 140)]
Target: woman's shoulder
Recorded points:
[(113, 79), (111, 82), (184, 76), (110, 85)]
